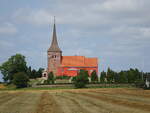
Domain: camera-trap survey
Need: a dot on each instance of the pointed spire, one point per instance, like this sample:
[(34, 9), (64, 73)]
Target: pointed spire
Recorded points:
[(54, 44), (54, 19)]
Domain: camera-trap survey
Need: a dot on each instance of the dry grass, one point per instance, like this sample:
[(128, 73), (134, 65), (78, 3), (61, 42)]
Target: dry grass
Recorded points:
[(47, 104), (104, 100)]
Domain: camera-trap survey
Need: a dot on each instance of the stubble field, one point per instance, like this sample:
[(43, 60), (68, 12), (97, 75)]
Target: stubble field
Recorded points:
[(103, 100)]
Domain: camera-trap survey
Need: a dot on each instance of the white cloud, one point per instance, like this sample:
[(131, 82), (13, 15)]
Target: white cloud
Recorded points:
[(96, 13), (145, 32), (36, 17), (8, 28), (120, 5)]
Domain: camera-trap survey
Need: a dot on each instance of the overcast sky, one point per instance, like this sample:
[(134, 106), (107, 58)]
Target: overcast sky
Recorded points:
[(115, 31)]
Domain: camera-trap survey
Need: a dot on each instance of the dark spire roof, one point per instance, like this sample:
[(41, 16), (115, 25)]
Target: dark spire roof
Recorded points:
[(54, 44)]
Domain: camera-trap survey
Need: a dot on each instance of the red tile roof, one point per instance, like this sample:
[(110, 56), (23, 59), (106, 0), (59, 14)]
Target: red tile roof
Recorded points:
[(79, 61)]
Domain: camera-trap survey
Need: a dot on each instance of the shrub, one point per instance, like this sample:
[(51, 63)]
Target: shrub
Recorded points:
[(73, 79), (139, 83), (20, 80), (81, 80)]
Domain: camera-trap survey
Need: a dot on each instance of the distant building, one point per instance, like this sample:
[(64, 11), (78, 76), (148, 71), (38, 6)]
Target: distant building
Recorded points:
[(67, 65)]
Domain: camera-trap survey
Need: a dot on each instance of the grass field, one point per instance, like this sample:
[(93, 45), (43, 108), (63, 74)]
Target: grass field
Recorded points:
[(101, 100)]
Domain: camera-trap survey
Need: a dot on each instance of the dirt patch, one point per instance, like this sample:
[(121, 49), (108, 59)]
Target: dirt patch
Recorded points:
[(47, 104)]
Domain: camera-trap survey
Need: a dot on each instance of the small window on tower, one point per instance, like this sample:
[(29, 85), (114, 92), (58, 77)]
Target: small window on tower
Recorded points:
[(53, 56)]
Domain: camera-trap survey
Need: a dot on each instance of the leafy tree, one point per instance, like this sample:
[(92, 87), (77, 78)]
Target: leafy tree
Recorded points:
[(130, 76), (81, 79), (94, 76), (110, 75), (123, 77), (20, 80), (102, 77), (32, 73), (116, 77), (50, 79), (138, 75), (39, 72), (13, 65), (133, 75), (29, 71)]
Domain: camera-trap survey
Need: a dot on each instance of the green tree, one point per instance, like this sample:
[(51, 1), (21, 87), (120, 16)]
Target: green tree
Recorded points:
[(110, 75), (81, 79), (138, 75), (39, 72), (94, 76), (20, 80), (50, 79), (13, 65), (131, 75), (29, 72), (32, 73), (116, 77), (123, 77), (134, 75), (102, 77)]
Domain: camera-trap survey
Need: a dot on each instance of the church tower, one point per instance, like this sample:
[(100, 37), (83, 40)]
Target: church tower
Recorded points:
[(54, 54)]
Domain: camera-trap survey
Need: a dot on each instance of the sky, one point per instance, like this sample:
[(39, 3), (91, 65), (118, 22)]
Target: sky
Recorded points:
[(115, 31)]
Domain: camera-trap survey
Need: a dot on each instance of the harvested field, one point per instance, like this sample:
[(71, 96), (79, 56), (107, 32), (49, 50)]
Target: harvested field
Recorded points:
[(103, 100)]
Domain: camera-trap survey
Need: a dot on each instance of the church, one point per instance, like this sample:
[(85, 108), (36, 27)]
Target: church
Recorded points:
[(66, 65)]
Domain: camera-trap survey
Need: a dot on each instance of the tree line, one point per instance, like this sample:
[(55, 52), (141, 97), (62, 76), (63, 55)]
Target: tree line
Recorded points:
[(131, 76), (124, 76)]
